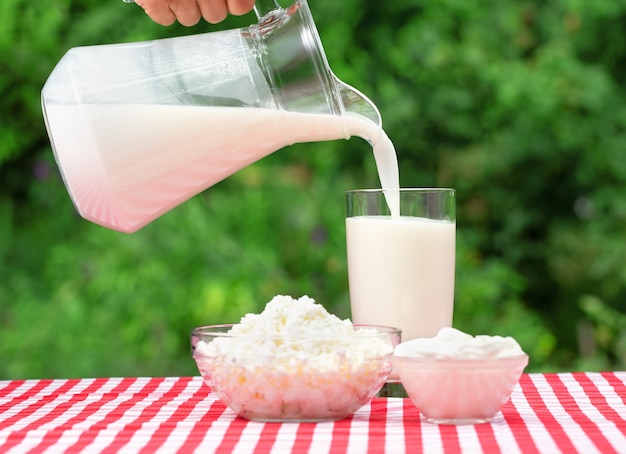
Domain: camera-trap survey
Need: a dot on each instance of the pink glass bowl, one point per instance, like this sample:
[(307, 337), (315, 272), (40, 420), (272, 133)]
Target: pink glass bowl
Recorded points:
[(459, 391)]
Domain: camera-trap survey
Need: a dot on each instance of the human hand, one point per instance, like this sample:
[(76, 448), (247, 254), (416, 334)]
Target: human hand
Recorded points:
[(189, 12)]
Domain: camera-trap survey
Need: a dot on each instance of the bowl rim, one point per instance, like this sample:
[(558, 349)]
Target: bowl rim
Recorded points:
[(222, 330), (456, 362)]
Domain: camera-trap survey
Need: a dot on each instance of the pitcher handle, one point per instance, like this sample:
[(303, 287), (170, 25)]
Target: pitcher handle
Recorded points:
[(263, 7)]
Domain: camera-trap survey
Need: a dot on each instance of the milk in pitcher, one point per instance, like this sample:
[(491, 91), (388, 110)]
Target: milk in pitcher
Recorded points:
[(126, 165)]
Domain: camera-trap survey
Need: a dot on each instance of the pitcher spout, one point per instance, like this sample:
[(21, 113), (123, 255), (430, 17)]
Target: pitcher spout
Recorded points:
[(355, 102)]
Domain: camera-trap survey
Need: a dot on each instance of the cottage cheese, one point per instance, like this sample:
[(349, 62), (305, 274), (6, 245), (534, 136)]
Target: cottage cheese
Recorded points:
[(452, 343), (296, 361)]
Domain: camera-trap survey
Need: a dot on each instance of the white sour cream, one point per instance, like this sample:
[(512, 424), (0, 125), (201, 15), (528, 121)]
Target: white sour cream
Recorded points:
[(452, 343)]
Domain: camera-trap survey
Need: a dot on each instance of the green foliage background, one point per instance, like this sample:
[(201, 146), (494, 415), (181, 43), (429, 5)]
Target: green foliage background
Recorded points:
[(519, 105)]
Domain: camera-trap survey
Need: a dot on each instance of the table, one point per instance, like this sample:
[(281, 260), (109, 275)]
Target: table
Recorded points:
[(547, 413)]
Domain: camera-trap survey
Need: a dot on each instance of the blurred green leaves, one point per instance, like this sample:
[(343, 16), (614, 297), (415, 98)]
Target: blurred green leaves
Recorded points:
[(516, 104)]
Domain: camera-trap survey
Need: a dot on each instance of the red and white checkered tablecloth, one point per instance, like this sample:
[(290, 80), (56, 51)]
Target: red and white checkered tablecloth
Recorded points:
[(547, 413)]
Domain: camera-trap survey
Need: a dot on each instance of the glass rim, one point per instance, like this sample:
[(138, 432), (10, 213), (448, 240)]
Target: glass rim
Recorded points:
[(460, 362), (222, 330), (415, 190)]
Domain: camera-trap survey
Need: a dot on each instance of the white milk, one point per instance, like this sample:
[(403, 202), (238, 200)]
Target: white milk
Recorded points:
[(401, 272), (125, 165)]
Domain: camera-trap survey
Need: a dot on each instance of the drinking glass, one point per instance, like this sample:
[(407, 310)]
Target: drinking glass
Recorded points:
[(401, 265)]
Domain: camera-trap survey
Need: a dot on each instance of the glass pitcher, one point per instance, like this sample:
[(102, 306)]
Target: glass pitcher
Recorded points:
[(138, 128)]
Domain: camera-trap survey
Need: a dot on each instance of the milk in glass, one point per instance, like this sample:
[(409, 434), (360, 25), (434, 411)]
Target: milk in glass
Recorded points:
[(401, 272)]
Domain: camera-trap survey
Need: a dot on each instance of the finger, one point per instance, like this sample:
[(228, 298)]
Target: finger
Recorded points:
[(187, 11), (240, 7), (158, 11), (213, 11)]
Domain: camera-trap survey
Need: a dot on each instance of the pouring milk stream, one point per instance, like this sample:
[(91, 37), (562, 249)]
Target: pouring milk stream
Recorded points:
[(139, 128)]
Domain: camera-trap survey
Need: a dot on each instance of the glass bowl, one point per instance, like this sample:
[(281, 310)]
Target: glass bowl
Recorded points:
[(459, 391), (299, 379)]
